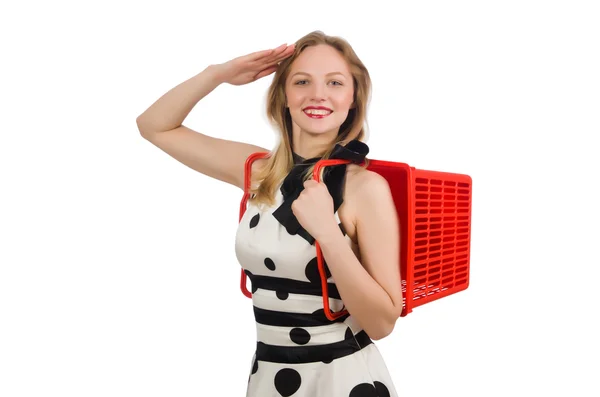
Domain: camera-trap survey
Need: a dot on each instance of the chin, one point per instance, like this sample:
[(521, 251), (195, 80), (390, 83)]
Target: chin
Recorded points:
[(319, 131), (315, 128), (318, 126)]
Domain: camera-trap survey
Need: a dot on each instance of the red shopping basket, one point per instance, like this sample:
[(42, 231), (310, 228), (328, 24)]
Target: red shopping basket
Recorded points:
[(434, 214)]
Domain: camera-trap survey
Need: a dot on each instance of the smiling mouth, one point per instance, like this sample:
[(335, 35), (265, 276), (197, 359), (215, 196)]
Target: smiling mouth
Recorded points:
[(317, 113)]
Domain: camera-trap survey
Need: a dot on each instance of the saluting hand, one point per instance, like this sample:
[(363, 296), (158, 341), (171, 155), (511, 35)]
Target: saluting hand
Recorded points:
[(248, 68)]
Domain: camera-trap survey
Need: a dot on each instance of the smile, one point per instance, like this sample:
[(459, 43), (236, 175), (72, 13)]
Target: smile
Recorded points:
[(317, 113)]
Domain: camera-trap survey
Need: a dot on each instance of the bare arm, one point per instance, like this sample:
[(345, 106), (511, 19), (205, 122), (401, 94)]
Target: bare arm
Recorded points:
[(371, 287), (222, 159), (169, 111)]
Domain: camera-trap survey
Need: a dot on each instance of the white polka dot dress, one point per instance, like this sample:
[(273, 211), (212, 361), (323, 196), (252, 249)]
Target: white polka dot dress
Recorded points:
[(299, 352)]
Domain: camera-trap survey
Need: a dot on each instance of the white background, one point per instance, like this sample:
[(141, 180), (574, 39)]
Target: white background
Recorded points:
[(117, 270)]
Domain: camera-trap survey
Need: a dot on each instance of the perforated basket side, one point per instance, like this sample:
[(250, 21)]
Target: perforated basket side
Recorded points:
[(441, 212)]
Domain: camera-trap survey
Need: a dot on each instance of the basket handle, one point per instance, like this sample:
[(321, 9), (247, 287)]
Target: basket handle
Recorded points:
[(243, 205), (320, 263), (328, 313)]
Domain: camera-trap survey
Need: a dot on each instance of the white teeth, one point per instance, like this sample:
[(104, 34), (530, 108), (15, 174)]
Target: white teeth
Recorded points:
[(317, 111)]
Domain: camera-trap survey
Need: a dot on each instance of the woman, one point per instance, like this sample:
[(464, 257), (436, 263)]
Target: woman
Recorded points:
[(318, 102)]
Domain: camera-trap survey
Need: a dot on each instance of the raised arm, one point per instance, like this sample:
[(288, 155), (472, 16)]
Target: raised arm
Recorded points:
[(222, 159)]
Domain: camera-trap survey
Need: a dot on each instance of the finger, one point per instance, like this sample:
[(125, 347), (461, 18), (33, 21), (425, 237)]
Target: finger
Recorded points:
[(263, 59), (281, 47), (271, 59), (275, 63), (256, 56), (279, 54), (283, 57), (266, 72), (262, 55)]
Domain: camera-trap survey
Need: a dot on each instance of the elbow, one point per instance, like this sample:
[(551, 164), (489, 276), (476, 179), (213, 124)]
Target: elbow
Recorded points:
[(383, 330), (378, 336), (380, 333), (142, 127)]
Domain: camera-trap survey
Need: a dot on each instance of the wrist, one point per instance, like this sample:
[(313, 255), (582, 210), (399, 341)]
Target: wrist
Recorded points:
[(216, 73), (329, 234)]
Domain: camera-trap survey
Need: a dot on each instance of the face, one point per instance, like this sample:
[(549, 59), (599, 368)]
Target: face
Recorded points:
[(319, 91)]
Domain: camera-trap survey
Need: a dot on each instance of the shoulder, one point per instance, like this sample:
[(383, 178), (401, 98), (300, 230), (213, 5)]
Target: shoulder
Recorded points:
[(365, 184), (367, 192)]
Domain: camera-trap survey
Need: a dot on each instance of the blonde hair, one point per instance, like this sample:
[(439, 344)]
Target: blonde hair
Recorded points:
[(280, 161)]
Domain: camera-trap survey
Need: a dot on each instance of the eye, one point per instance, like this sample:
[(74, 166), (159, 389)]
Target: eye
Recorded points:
[(300, 82)]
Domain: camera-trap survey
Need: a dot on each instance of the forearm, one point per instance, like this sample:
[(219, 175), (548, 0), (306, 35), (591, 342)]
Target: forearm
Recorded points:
[(172, 108), (363, 297)]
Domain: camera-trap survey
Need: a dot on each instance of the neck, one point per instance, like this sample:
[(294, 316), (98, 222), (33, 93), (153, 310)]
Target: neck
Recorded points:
[(308, 145)]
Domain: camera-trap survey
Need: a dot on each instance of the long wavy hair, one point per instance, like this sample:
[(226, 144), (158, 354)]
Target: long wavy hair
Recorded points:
[(280, 161)]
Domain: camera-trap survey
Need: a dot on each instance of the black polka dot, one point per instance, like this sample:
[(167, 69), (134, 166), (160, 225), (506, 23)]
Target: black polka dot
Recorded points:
[(270, 264), (349, 334), (299, 336), (363, 390), (382, 390), (312, 271), (255, 366), (254, 220), (327, 360), (287, 381), (282, 295)]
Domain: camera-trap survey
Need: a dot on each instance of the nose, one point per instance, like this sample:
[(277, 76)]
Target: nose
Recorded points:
[(318, 93)]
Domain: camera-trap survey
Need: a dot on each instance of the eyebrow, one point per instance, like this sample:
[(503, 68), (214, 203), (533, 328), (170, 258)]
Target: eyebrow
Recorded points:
[(328, 74)]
